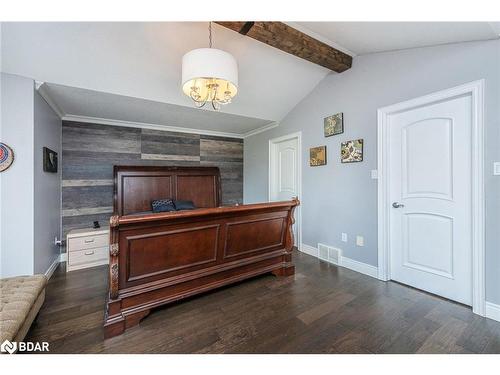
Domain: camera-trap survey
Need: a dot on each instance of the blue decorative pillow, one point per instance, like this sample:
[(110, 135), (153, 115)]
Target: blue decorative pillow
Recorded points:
[(184, 205), (162, 205)]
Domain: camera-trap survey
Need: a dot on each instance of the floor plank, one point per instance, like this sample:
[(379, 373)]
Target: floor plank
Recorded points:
[(321, 309)]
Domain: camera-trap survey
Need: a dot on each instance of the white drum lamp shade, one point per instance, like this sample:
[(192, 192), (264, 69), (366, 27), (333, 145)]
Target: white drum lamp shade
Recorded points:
[(209, 74)]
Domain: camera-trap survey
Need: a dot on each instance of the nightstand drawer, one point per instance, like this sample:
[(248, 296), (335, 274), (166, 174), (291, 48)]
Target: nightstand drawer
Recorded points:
[(88, 242), (89, 257)]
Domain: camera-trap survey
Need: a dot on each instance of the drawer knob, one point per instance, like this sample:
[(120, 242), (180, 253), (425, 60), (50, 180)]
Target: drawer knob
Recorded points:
[(89, 252), (90, 240)]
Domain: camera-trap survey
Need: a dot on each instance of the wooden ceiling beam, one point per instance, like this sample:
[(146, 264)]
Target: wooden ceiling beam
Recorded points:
[(293, 41)]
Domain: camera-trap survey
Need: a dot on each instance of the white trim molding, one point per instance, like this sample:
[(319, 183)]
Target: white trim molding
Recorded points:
[(352, 264), (309, 250), (493, 311), (53, 267), (63, 257), (476, 91), (142, 125), (168, 128), (272, 144), (364, 268), (41, 87), (262, 129), (495, 26)]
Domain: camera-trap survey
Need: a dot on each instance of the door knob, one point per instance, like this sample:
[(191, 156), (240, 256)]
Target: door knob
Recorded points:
[(397, 205)]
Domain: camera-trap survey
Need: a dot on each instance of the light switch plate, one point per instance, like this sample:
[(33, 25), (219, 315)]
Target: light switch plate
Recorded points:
[(344, 237), (360, 241), (496, 168), (374, 174)]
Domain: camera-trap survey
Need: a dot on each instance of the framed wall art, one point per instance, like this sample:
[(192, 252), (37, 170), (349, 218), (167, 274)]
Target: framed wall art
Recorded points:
[(49, 160), (6, 157), (317, 156), (334, 124), (351, 151)]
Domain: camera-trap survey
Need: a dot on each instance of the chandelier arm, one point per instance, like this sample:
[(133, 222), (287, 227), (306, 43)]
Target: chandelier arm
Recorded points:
[(200, 104), (215, 105), (204, 100), (214, 97), (216, 91), (193, 97)]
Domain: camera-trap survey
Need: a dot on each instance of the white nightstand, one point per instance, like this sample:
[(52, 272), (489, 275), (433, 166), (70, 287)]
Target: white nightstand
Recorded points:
[(87, 248)]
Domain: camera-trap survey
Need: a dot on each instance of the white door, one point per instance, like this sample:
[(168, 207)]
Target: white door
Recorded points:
[(430, 193), (284, 174)]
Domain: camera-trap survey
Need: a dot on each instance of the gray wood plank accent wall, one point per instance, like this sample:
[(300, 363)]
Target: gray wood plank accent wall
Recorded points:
[(89, 152)]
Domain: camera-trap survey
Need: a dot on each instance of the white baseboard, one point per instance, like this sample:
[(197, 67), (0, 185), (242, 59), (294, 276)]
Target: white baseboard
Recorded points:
[(366, 269), (493, 311), (310, 250), (63, 257), (52, 268)]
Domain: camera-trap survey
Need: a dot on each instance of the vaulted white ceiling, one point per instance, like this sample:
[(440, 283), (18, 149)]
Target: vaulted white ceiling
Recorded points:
[(132, 71), (360, 38), (143, 60)]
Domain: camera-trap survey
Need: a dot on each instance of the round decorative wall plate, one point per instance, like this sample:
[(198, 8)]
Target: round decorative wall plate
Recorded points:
[(6, 157)]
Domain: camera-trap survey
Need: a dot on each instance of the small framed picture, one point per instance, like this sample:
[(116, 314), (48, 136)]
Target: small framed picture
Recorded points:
[(317, 156), (334, 124), (49, 160), (351, 151)]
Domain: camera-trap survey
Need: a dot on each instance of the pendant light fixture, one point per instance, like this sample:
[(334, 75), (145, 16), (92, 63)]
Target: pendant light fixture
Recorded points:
[(209, 75)]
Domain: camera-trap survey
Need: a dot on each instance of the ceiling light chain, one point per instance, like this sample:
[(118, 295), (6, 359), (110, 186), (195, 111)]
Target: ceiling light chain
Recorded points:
[(210, 34)]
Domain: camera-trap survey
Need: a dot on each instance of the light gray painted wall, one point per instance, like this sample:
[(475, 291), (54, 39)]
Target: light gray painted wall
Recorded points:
[(47, 201), (17, 183), (342, 197)]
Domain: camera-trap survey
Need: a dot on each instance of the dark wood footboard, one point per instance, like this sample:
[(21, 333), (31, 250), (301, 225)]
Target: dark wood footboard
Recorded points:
[(156, 259)]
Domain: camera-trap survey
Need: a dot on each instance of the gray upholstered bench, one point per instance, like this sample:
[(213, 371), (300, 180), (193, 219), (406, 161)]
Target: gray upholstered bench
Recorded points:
[(20, 300)]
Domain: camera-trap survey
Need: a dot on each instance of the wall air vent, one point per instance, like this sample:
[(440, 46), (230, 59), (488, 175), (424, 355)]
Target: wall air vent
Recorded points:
[(328, 253)]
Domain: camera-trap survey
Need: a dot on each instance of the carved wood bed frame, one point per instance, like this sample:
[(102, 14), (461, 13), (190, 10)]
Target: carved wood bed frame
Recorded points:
[(159, 258)]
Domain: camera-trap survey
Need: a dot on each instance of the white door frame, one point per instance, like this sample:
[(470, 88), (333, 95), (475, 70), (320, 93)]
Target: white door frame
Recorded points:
[(476, 91), (272, 174)]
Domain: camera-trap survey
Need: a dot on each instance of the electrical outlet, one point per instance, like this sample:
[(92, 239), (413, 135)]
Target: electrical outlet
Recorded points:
[(344, 237), (360, 241), (374, 174), (496, 168)]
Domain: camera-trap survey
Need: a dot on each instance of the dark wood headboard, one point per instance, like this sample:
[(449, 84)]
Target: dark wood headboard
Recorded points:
[(137, 186)]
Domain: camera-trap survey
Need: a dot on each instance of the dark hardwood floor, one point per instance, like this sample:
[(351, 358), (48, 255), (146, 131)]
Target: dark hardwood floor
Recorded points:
[(322, 309)]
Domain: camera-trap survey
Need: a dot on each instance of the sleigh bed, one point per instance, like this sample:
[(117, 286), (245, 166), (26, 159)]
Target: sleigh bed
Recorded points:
[(158, 258)]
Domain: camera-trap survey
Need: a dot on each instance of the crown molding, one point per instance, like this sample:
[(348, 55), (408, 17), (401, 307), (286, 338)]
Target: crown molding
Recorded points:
[(495, 26), (142, 125), (41, 87), (38, 84), (262, 129)]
